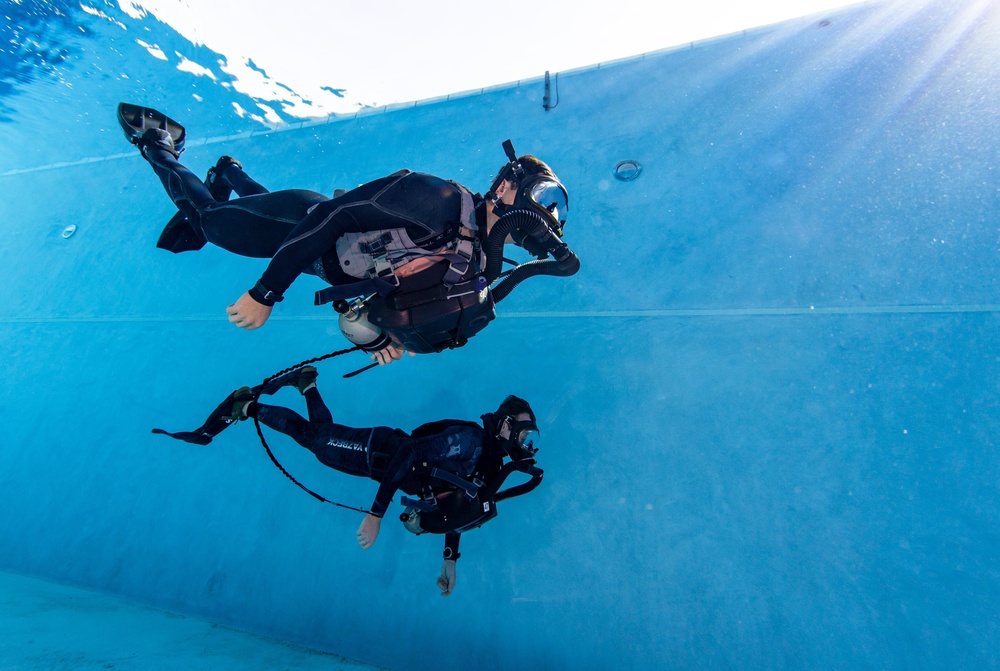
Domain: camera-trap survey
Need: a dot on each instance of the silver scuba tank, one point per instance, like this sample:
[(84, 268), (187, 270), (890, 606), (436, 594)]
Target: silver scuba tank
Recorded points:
[(355, 326)]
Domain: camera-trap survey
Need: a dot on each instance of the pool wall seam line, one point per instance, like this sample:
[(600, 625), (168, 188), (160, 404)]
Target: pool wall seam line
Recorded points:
[(597, 314)]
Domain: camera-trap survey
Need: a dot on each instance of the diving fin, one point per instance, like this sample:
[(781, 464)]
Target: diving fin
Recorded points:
[(222, 416), (179, 235), (135, 119)]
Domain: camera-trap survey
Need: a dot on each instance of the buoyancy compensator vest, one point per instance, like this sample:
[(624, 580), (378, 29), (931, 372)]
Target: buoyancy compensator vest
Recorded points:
[(459, 505), (450, 502), (437, 308)]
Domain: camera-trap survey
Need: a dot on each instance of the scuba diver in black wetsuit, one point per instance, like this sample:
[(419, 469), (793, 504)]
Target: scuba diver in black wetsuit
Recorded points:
[(422, 252), (455, 468)]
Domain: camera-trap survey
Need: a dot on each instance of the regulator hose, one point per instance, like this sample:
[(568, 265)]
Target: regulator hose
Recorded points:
[(563, 264)]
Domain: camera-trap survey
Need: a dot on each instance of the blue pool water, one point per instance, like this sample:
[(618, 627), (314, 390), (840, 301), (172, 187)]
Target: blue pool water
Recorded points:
[(769, 399)]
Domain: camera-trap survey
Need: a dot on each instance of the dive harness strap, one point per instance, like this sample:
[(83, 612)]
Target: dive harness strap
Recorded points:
[(385, 280), (362, 288), (467, 242), (436, 293), (423, 505), (472, 489), (428, 504)]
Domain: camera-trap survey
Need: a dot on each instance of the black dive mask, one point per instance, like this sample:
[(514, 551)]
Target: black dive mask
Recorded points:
[(546, 196), (543, 194), (523, 440)]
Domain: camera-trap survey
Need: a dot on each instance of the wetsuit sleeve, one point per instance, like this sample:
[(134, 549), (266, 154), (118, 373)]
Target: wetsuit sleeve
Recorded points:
[(451, 540), (394, 474), (313, 237)]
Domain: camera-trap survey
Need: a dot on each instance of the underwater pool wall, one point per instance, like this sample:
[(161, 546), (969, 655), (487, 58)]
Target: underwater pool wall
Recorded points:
[(769, 399)]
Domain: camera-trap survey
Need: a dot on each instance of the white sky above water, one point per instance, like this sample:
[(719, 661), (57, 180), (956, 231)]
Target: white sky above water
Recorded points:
[(387, 51)]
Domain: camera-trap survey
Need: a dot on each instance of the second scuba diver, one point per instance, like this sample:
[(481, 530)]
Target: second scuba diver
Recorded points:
[(455, 468)]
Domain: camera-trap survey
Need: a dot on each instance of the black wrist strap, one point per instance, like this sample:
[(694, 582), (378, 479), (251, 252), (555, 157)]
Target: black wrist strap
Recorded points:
[(265, 296), (451, 541)]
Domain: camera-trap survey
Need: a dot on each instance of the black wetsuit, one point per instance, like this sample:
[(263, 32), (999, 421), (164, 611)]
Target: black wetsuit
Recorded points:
[(388, 455), (298, 229)]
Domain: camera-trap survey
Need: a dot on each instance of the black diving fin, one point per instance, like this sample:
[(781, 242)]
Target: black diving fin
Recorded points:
[(179, 235), (135, 119), (222, 416)]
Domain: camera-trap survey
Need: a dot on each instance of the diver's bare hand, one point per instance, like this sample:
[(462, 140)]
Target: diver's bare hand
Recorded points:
[(446, 581), (247, 313), (368, 531), (388, 354)]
